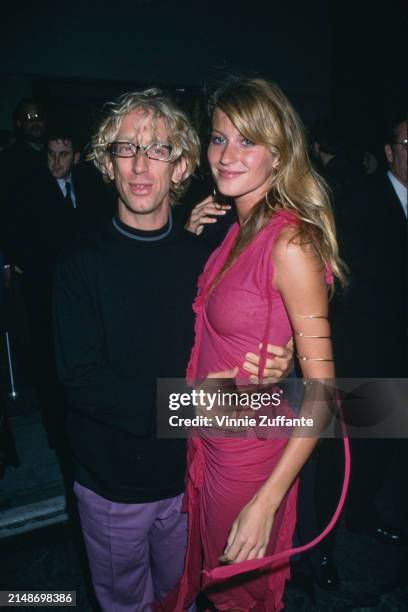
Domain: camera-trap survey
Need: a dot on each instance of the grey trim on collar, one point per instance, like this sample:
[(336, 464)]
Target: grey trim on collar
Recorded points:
[(145, 238)]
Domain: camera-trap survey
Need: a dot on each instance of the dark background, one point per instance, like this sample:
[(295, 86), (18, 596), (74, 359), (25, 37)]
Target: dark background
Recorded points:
[(346, 56)]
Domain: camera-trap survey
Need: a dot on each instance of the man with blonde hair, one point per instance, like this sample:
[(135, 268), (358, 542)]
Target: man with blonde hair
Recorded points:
[(123, 319)]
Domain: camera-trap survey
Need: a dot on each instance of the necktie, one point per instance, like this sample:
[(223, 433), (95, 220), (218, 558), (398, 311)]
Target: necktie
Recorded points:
[(68, 196)]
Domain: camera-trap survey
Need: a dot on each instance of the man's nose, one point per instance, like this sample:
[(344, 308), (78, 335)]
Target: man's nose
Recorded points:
[(140, 162)]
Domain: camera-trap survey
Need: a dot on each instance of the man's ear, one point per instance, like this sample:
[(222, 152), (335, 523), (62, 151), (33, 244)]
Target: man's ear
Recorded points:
[(77, 157), (179, 171), (109, 168), (388, 153)]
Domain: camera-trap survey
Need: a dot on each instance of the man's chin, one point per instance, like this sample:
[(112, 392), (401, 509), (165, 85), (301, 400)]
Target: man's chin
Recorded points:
[(142, 209), (142, 206)]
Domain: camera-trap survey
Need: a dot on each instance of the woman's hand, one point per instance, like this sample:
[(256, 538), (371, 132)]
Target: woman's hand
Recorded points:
[(203, 213), (250, 532), (277, 367)]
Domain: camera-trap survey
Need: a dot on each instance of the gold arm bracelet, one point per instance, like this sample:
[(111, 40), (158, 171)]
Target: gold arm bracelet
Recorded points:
[(302, 358), (302, 335), (313, 317)]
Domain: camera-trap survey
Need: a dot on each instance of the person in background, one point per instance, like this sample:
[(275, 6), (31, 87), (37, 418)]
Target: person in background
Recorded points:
[(24, 157), (47, 214), (334, 162), (370, 323), (19, 163)]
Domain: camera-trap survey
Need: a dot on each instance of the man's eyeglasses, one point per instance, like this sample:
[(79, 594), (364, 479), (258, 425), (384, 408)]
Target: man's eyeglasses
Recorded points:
[(403, 143), (157, 151), (32, 116)]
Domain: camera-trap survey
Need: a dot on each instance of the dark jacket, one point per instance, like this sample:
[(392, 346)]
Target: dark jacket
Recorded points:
[(370, 316)]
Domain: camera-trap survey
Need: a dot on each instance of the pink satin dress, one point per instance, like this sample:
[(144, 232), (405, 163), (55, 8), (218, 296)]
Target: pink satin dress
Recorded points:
[(242, 311)]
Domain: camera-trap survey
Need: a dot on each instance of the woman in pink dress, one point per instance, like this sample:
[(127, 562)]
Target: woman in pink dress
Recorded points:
[(266, 282)]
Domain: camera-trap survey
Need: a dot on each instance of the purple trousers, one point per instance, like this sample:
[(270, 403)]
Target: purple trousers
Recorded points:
[(135, 551)]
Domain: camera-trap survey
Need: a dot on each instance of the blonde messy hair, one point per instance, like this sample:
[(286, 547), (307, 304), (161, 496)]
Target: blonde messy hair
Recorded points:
[(182, 136), (262, 113)]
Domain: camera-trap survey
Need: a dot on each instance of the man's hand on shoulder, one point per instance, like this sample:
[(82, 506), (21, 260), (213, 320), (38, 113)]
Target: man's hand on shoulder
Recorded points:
[(278, 365)]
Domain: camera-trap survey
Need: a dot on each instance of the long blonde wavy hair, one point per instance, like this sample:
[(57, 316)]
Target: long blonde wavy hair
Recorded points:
[(262, 113)]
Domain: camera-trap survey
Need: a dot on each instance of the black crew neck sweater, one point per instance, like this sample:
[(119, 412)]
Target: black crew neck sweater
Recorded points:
[(123, 318)]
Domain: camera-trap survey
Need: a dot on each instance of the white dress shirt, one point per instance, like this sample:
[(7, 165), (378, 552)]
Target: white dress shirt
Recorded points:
[(400, 190)]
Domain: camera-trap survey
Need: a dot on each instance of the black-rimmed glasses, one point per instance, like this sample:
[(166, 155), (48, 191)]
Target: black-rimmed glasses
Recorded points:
[(156, 150), (403, 143)]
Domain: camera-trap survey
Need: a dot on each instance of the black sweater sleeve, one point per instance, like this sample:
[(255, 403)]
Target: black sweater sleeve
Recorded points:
[(93, 388)]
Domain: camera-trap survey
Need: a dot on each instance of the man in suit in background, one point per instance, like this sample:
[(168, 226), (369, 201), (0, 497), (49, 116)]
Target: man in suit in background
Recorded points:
[(48, 212), (369, 325), (63, 201), (396, 154), (372, 233)]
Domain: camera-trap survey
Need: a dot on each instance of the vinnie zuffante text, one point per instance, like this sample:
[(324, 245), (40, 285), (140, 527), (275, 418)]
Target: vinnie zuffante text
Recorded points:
[(230, 401)]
